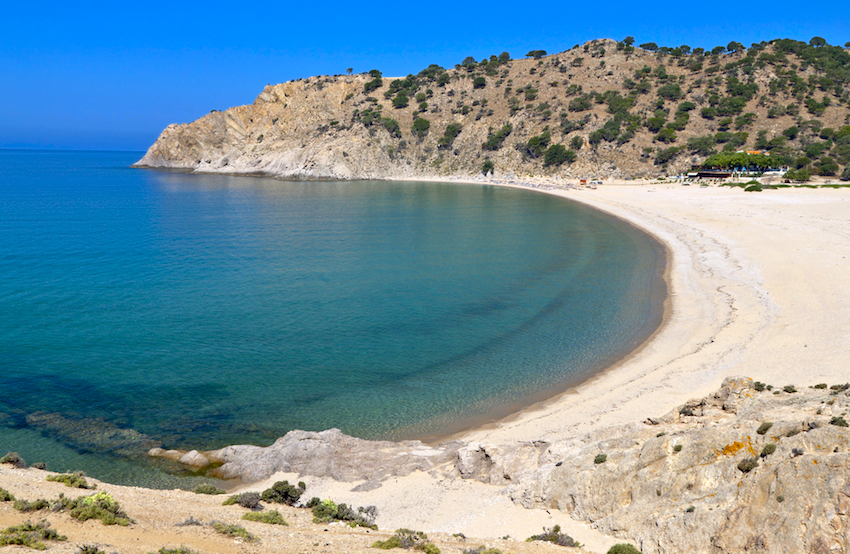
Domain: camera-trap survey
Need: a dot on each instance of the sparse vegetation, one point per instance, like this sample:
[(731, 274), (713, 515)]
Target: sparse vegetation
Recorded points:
[(600, 459), (764, 427), (30, 535), (328, 510), (74, 480), (235, 531), (284, 493), (207, 488), (555, 536), (748, 464), (13, 459), (250, 500), (838, 421), (272, 517), (623, 548), (406, 538)]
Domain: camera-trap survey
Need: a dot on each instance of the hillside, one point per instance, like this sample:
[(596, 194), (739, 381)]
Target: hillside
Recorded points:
[(604, 109)]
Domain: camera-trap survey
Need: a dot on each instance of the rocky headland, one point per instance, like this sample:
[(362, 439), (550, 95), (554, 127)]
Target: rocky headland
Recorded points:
[(602, 110)]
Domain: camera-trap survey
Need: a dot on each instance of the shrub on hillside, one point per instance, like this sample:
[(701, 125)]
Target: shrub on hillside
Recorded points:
[(555, 536), (284, 493)]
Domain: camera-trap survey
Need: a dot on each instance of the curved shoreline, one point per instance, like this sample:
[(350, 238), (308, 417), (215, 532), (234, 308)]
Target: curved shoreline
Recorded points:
[(661, 311)]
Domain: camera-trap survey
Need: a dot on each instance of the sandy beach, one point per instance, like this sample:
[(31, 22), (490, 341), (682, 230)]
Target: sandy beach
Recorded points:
[(757, 287)]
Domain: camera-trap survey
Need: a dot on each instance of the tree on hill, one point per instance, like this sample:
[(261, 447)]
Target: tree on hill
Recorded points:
[(536, 54), (734, 46), (817, 42), (650, 46)]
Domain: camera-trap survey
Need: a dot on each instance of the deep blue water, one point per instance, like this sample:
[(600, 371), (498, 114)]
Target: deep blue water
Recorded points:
[(202, 311)]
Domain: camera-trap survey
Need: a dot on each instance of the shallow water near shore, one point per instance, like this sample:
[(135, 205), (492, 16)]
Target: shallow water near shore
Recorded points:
[(141, 307)]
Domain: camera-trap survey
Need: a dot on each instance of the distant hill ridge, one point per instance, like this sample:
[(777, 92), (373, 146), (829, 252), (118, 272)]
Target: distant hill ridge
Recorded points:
[(605, 109)]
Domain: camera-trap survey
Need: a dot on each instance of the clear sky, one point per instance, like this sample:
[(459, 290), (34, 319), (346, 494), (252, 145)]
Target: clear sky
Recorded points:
[(111, 75)]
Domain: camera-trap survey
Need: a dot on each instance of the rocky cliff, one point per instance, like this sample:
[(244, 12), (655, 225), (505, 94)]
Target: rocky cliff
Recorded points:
[(605, 109)]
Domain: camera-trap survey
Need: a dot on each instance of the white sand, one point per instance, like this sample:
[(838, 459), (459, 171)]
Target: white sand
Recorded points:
[(758, 286)]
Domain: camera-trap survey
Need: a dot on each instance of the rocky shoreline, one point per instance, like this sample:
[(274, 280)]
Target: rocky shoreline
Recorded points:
[(671, 483)]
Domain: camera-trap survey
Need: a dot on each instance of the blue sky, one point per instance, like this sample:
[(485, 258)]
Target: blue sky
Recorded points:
[(112, 75)]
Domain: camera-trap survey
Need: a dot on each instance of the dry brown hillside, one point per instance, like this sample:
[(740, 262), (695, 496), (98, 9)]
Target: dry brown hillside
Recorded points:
[(604, 109)]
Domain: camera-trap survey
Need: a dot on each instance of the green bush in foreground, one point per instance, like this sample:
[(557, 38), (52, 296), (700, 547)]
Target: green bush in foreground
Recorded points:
[(235, 531), (600, 459), (327, 510), (284, 493), (271, 517), (6, 496), (555, 536), (76, 480), (99, 506), (623, 548), (30, 535)]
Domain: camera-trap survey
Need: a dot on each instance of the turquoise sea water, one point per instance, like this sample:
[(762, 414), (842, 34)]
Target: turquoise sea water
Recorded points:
[(201, 311)]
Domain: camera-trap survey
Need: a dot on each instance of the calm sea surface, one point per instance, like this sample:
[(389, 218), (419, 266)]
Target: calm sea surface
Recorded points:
[(200, 311)]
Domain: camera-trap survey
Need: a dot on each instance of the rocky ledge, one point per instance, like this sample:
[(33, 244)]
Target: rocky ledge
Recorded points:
[(749, 468)]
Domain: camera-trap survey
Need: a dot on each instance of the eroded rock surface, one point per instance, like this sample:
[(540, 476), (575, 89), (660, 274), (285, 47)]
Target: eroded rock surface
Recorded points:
[(671, 483)]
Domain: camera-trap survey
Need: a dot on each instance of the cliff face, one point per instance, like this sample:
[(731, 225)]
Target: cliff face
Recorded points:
[(623, 113)]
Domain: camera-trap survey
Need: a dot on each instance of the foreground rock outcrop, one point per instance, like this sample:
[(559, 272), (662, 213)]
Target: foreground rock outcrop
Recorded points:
[(677, 483)]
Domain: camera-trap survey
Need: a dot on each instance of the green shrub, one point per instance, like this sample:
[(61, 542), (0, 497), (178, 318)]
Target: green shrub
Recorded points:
[(6, 496), (31, 506), (555, 536), (758, 386), (178, 550), (820, 386), (764, 427), (328, 510), (780, 498), (272, 517), (99, 506), (753, 188), (789, 388), (557, 154), (421, 126), (494, 140), (14, 459), (208, 488), (235, 531), (768, 449), (400, 101), (600, 459), (405, 538), (391, 125), (487, 166), (623, 548), (449, 136), (75, 480), (283, 493), (30, 535), (677, 448), (481, 549), (691, 509), (748, 464), (479, 82), (838, 421), (90, 549)]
